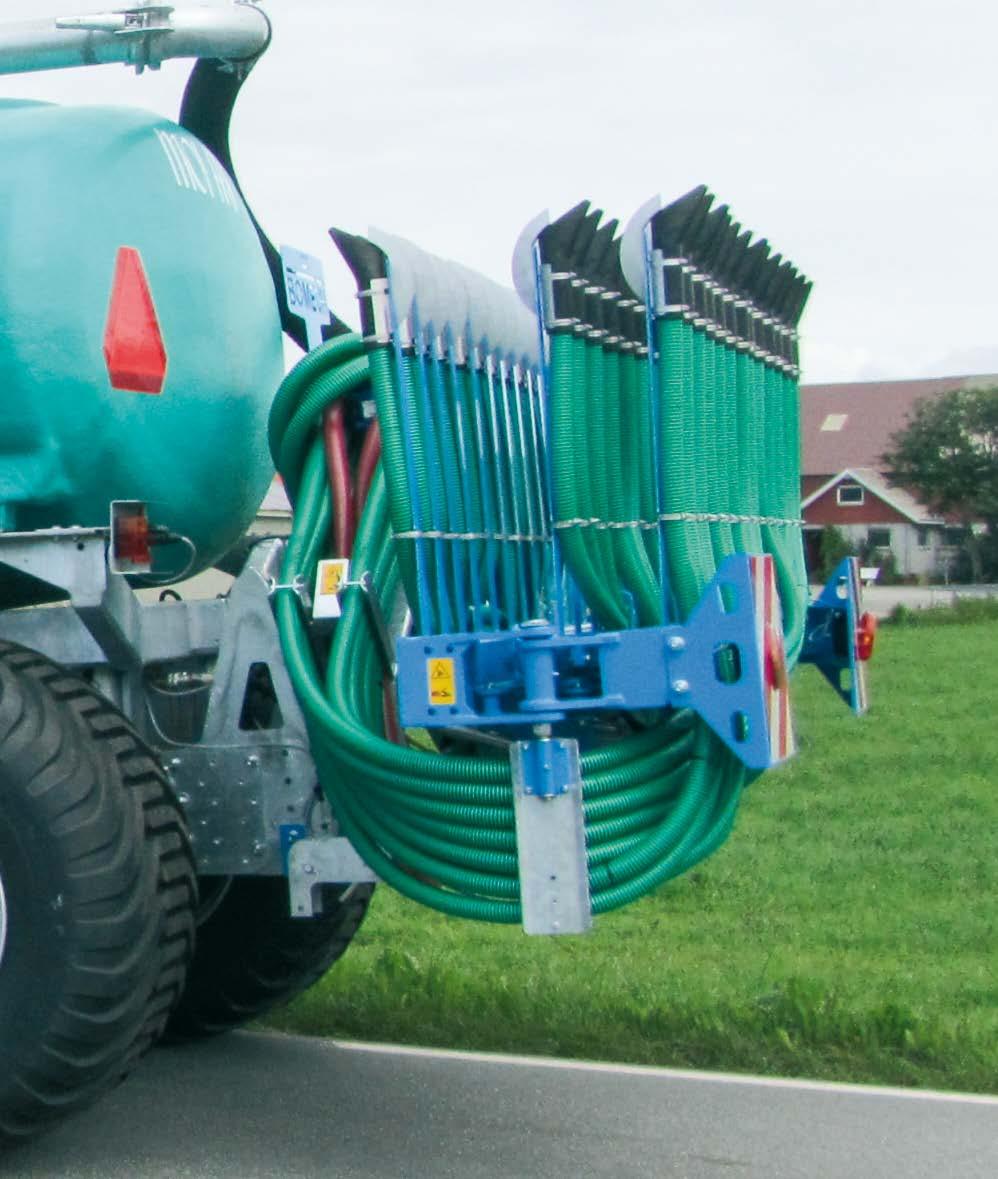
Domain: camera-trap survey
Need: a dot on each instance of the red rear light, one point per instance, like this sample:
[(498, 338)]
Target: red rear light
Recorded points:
[(866, 634), (130, 539)]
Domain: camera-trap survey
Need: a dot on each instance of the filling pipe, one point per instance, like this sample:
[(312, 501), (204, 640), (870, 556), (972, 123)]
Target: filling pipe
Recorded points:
[(140, 36)]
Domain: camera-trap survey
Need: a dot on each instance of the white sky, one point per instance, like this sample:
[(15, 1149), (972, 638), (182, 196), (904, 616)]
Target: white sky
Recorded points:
[(860, 138)]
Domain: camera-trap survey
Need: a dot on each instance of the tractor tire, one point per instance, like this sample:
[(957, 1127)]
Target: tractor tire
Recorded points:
[(97, 895), (253, 956)]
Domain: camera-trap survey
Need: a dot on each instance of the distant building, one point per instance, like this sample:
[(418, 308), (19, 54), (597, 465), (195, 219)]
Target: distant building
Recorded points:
[(274, 515), (845, 429)]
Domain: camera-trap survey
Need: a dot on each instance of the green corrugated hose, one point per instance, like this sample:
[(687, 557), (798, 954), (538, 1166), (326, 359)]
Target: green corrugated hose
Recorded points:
[(440, 828)]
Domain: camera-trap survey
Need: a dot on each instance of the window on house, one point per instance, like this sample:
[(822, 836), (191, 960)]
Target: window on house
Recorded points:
[(879, 538), (834, 422), (849, 494), (923, 538)]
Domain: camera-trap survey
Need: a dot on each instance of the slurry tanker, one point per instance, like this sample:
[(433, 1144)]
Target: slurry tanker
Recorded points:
[(527, 642)]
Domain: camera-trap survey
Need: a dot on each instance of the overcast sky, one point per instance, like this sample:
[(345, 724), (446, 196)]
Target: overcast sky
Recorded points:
[(860, 138)]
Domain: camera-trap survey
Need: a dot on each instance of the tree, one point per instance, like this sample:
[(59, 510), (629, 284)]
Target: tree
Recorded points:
[(947, 454), (833, 546)]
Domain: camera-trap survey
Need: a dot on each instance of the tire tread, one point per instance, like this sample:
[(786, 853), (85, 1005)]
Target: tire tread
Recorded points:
[(129, 864)]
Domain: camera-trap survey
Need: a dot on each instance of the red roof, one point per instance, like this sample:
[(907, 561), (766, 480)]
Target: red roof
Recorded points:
[(850, 425)]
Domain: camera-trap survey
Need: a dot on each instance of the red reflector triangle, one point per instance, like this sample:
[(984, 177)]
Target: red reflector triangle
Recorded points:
[(133, 344)]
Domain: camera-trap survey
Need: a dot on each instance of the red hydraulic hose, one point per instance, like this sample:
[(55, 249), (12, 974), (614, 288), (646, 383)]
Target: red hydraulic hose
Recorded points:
[(348, 501), (370, 455), (334, 439)]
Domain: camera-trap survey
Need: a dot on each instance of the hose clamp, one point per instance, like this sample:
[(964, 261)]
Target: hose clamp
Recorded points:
[(381, 311), (552, 321), (299, 587)]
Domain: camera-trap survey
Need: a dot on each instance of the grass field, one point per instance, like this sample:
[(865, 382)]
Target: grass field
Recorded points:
[(847, 930)]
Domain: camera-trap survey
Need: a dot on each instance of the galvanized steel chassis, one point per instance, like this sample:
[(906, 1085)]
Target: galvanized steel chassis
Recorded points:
[(250, 793)]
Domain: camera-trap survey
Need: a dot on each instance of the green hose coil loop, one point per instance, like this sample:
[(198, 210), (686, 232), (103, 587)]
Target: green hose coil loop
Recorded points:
[(440, 829)]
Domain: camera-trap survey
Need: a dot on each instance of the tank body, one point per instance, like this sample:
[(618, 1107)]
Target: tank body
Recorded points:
[(116, 226)]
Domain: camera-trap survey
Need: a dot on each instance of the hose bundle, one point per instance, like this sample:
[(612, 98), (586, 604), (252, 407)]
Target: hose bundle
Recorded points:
[(583, 459)]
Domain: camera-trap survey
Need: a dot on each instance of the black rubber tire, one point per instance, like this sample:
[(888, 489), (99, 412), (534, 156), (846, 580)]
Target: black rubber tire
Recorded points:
[(253, 956), (100, 891)]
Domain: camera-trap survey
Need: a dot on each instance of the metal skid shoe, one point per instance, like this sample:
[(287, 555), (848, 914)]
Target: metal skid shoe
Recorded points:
[(839, 637), (726, 663)]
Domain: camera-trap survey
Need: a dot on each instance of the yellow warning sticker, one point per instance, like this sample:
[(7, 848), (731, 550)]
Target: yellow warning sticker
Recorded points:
[(329, 579), (441, 681), (334, 573)]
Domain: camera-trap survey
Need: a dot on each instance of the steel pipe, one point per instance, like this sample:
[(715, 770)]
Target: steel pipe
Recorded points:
[(142, 35)]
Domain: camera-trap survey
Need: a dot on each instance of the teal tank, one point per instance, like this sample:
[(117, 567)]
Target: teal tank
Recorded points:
[(140, 344)]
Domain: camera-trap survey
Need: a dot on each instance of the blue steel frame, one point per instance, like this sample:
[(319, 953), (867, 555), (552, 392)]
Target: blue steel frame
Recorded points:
[(830, 642), (534, 675)]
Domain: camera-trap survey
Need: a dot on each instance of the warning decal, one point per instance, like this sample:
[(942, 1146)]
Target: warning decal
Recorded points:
[(441, 681), (334, 573), (329, 578)]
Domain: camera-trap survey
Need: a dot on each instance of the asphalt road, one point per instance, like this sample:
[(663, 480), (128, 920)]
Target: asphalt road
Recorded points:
[(881, 599), (253, 1106)]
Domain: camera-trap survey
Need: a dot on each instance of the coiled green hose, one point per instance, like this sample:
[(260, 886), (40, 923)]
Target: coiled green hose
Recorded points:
[(439, 828)]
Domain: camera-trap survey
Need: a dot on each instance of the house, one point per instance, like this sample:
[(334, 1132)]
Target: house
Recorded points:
[(877, 518), (845, 429)]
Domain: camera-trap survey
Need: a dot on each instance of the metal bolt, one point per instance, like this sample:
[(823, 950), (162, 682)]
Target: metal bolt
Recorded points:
[(542, 731), (680, 686), (175, 762), (309, 870), (217, 841), (676, 643), (252, 761), (259, 848)]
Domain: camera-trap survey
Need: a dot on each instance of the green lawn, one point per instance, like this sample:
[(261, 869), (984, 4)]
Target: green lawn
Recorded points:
[(847, 930)]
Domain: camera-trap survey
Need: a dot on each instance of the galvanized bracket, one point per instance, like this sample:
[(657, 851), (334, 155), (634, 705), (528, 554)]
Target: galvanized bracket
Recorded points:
[(313, 862), (104, 622), (239, 784), (551, 836)]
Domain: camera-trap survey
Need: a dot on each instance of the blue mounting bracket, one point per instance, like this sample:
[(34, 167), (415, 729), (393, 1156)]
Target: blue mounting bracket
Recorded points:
[(726, 662), (290, 834), (838, 636)]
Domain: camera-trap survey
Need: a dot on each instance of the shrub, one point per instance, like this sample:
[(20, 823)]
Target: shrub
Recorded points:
[(833, 547)]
